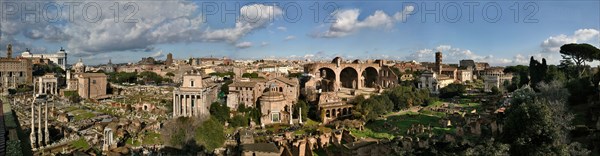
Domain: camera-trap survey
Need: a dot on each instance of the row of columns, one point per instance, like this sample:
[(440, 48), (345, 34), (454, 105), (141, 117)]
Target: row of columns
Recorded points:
[(187, 105), (43, 138), (107, 139), (337, 112), (48, 87)]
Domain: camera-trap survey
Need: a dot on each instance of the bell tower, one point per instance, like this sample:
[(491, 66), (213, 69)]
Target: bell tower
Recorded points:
[(9, 51), (438, 62)]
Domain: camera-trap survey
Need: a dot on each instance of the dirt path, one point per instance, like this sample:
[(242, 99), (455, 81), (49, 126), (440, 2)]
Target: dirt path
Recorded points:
[(411, 109)]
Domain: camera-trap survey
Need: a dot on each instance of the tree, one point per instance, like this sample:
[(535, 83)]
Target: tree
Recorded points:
[(537, 71), (239, 121), (489, 147), (452, 90), (250, 75), (304, 105), (219, 111), (210, 134), (495, 91), (580, 53), (538, 124), (169, 74), (580, 89)]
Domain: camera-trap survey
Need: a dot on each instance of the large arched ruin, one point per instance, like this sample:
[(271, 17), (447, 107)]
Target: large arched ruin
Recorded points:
[(352, 75)]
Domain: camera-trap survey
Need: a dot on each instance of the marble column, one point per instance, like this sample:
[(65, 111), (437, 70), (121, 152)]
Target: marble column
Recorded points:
[(185, 102), (174, 105), (32, 134), (39, 128), (46, 132)]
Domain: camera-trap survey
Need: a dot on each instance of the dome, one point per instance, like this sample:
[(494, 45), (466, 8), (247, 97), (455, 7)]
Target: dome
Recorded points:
[(271, 96), (79, 67), (79, 64)]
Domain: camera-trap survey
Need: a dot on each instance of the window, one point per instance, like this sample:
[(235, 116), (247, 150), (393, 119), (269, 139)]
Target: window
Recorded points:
[(275, 117), (191, 83), (93, 81)]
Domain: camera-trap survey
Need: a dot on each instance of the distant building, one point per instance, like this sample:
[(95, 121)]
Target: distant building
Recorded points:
[(195, 95), (479, 66), (410, 66), (283, 70), (274, 107), (262, 149), (332, 107), (109, 67), (465, 75), (169, 59), (14, 71), (434, 82), (59, 58), (464, 64), (92, 85), (494, 76), (147, 61), (248, 91)]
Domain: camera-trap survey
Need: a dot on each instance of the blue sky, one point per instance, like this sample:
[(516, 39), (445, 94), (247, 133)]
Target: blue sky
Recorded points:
[(355, 29)]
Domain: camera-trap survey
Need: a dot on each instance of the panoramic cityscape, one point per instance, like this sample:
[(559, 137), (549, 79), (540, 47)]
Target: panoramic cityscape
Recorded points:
[(299, 78)]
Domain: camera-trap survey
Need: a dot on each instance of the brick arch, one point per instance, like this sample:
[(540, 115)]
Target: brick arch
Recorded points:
[(329, 78), (370, 77), (349, 78)]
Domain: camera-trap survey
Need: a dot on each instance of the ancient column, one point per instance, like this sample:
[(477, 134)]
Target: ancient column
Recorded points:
[(41, 88), (39, 128), (32, 134), (47, 133), (179, 104), (291, 115), (183, 105), (300, 115), (174, 105), (192, 105)]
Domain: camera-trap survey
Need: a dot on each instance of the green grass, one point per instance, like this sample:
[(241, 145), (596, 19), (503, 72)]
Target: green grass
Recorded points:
[(148, 138), (81, 144), (399, 124), (368, 133), (84, 115), (433, 113), (437, 103)]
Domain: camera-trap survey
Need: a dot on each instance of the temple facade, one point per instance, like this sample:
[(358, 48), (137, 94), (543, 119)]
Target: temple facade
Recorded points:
[(195, 96)]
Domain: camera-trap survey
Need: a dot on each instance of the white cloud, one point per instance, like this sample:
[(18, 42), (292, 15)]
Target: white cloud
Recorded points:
[(243, 45), (158, 54), (263, 44), (346, 21), (251, 17), (282, 28), (155, 22), (553, 43), (454, 55), (289, 38)]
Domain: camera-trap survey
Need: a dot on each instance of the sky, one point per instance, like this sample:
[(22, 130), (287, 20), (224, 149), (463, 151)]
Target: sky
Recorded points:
[(499, 32)]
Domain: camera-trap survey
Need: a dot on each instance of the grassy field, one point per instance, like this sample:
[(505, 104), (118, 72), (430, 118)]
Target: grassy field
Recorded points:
[(399, 124), (80, 144), (82, 114)]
